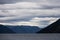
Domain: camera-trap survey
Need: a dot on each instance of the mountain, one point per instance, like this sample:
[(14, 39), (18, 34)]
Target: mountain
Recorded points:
[(18, 29), (25, 29), (53, 28), (4, 29)]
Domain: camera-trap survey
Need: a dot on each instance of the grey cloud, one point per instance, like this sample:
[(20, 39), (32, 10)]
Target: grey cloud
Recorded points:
[(1, 16), (14, 1), (49, 7), (49, 4), (9, 13), (9, 1), (54, 1), (16, 20)]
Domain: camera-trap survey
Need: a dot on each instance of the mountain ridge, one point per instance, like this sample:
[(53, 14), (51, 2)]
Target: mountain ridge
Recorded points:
[(53, 28), (18, 29)]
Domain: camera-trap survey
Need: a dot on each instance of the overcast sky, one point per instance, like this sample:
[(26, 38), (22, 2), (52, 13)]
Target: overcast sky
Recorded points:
[(29, 12)]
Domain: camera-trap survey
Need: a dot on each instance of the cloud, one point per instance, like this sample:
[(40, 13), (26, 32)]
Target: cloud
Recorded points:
[(40, 22), (20, 5), (9, 1), (25, 11), (36, 21), (47, 4), (29, 12), (26, 14)]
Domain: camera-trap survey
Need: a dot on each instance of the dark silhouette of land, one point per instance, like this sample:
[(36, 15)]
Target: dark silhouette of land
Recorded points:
[(4, 29), (53, 28), (18, 29)]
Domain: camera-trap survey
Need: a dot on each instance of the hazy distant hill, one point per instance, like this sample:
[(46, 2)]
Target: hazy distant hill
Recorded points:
[(53, 28), (25, 29), (18, 29)]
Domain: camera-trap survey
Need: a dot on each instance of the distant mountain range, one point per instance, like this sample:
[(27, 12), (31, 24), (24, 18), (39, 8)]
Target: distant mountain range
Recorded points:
[(53, 28), (18, 29)]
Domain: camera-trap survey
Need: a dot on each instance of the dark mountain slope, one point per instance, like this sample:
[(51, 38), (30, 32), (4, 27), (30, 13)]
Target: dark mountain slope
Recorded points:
[(4, 29), (53, 28)]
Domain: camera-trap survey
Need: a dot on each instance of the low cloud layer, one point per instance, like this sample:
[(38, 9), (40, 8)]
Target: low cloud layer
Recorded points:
[(40, 22)]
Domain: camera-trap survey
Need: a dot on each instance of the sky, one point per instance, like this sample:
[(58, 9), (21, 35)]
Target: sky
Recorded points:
[(29, 12)]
